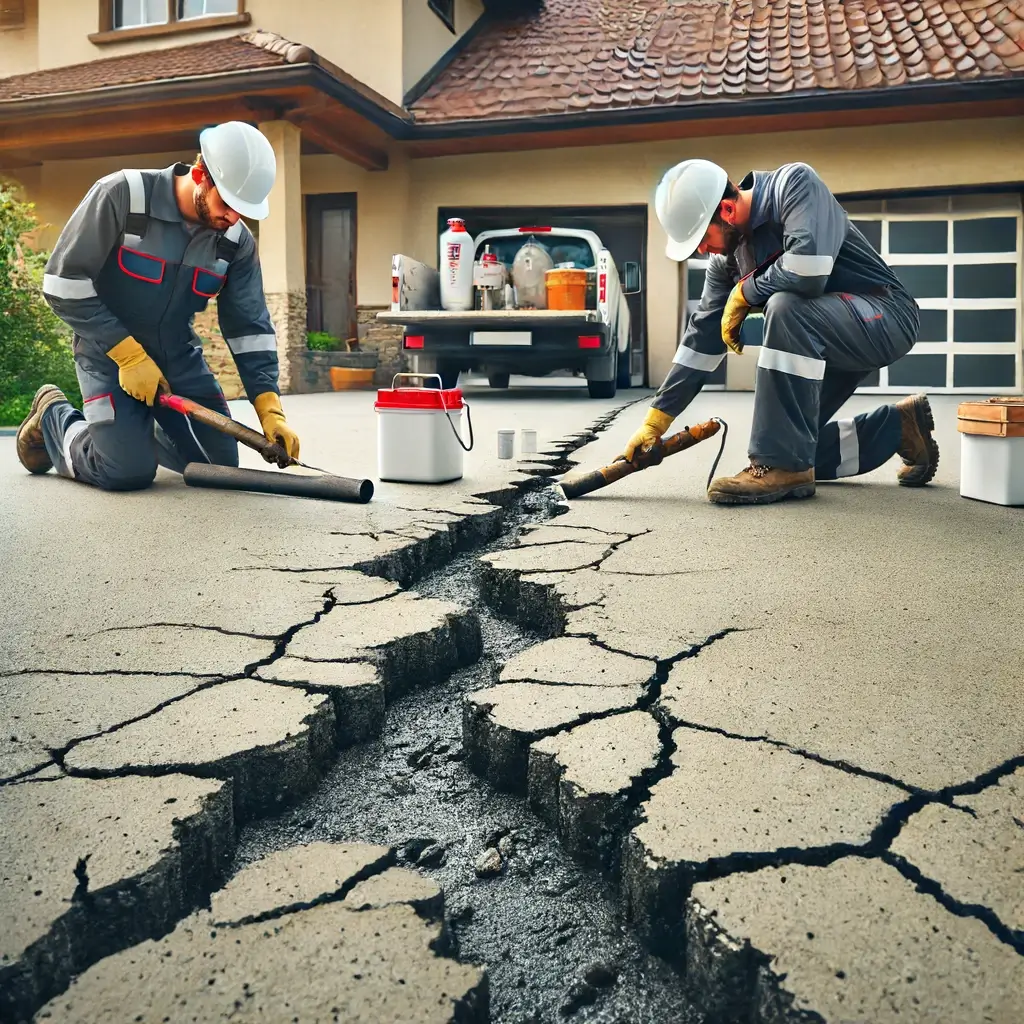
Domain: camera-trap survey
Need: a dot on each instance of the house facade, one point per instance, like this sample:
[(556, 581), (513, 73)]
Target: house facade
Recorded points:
[(389, 117)]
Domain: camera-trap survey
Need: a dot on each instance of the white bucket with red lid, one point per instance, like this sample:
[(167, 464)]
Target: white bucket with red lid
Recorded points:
[(419, 433)]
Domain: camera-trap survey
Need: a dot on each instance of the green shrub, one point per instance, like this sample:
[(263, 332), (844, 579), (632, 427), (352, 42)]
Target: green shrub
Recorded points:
[(35, 346), (320, 341)]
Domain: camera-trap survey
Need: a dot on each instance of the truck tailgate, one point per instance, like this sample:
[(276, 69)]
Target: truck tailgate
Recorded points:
[(495, 319)]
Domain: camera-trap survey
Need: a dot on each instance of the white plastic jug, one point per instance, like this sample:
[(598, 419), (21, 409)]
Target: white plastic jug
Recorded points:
[(455, 264)]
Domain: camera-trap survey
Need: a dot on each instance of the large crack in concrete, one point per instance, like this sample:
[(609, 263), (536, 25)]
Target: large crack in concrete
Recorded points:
[(69, 948), (658, 892), (549, 930)]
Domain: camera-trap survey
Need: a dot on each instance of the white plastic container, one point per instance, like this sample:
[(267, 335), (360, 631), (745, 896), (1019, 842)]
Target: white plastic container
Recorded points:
[(992, 450), (455, 265), (992, 469), (506, 443), (419, 434)]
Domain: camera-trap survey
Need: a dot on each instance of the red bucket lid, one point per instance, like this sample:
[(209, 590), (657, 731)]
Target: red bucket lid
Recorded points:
[(418, 398)]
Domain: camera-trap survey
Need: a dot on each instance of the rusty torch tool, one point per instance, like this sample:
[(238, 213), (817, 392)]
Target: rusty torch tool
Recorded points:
[(575, 485), (198, 474)]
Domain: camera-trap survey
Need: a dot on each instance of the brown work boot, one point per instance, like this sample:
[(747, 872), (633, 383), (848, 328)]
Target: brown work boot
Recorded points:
[(29, 439), (918, 449), (758, 485)]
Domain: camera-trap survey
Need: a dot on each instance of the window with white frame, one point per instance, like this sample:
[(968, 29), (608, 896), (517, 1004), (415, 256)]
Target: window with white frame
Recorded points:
[(960, 257), (136, 13), (140, 13), (205, 8)]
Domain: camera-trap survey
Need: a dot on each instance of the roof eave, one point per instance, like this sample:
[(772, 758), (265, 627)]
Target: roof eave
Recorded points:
[(816, 101), (207, 86)]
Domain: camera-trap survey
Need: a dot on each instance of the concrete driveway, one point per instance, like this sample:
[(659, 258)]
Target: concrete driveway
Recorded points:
[(807, 732), (176, 662), (794, 733)]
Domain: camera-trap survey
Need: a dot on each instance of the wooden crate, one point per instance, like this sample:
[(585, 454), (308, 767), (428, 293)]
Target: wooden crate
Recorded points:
[(996, 417)]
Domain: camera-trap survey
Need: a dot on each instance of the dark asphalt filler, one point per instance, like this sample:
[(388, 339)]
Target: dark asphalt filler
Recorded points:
[(550, 931)]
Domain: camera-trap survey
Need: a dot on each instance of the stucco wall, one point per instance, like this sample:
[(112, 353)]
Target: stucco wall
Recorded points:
[(425, 37), (19, 47), (397, 209), (363, 39)]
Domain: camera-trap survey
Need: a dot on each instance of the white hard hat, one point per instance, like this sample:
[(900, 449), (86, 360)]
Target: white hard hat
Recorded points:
[(687, 198), (241, 162)]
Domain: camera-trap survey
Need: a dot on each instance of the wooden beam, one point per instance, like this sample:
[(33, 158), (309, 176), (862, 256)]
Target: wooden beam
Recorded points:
[(335, 141), (128, 124)]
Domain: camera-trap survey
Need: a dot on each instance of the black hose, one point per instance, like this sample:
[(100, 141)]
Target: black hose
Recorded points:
[(229, 478)]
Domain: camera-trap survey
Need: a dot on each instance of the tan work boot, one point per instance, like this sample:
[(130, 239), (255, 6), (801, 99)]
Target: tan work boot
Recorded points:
[(759, 485), (918, 449), (29, 439)]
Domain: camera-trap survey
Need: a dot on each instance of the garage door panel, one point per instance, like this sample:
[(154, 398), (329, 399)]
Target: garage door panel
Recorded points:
[(960, 257)]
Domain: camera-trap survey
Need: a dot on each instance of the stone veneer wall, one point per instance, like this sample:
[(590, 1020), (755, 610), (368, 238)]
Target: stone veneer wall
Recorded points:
[(385, 340), (288, 312), (218, 355), (303, 371)]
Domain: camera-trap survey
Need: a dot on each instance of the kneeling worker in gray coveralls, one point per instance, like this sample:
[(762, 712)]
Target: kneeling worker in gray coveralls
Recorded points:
[(833, 312), (144, 252)]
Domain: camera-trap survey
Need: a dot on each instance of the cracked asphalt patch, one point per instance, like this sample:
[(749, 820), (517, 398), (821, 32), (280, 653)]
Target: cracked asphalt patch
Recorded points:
[(282, 944), (37, 718), (273, 742), (823, 718), (218, 686), (89, 865)]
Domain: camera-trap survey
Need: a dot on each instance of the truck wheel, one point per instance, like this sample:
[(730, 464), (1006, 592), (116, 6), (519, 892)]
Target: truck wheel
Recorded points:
[(601, 388), (623, 377), (449, 377), (498, 380)]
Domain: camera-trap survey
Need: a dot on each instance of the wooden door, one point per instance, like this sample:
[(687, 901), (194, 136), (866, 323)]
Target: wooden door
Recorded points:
[(331, 264)]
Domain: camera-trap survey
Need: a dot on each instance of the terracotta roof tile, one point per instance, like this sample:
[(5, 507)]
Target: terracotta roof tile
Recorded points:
[(231, 54), (635, 53)]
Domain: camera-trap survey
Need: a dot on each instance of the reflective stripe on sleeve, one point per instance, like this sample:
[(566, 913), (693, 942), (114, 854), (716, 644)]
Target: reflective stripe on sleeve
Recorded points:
[(136, 199), (849, 448), (790, 362), (806, 266), (697, 360), (68, 287), (252, 343)]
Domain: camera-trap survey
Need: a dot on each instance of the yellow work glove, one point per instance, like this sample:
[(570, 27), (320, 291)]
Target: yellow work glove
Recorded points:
[(655, 424), (733, 315), (137, 374), (275, 428)]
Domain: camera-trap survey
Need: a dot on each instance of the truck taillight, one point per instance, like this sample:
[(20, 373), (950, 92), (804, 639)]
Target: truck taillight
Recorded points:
[(602, 287), (589, 340), (394, 289), (414, 341)]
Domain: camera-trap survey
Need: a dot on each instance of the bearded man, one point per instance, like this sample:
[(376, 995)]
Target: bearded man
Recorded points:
[(834, 312), (142, 254)]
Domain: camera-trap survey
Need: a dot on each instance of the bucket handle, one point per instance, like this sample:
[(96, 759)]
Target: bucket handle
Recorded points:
[(440, 394)]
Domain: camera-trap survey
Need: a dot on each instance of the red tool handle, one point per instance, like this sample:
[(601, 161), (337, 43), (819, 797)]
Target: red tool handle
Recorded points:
[(270, 451)]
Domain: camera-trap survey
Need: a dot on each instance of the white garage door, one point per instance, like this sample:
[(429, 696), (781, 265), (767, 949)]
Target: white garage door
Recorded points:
[(960, 257)]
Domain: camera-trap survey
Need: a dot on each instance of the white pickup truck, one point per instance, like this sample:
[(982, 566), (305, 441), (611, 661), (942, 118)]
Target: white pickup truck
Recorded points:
[(533, 342)]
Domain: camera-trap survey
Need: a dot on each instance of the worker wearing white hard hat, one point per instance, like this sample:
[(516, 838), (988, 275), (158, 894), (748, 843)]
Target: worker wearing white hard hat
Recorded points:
[(143, 253), (834, 312)]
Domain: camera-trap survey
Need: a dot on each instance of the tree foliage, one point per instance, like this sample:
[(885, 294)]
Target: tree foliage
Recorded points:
[(35, 346)]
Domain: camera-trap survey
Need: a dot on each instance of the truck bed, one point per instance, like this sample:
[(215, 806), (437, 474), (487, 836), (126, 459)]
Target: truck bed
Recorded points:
[(474, 318)]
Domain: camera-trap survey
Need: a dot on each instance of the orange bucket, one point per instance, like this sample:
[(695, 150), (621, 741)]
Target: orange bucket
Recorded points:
[(567, 288)]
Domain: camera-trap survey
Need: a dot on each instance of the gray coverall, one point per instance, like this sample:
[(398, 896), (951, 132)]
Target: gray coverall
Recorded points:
[(127, 263), (833, 312)]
